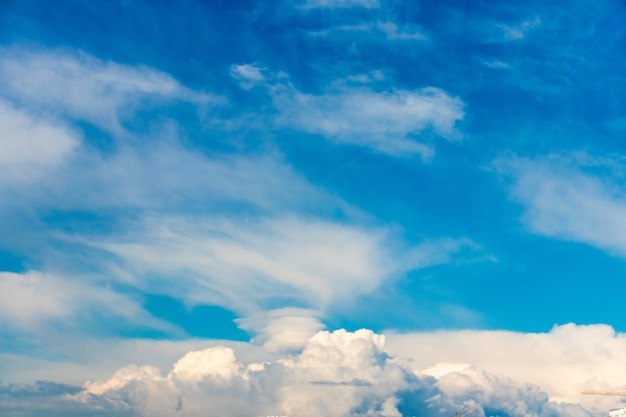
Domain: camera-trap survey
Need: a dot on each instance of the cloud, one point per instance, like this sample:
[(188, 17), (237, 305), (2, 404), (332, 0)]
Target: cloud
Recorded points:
[(283, 329), (246, 232), (387, 29), (518, 32), (337, 373), (390, 122), (166, 176), (396, 122), (563, 362), (252, 264), (393, 32), (71, 357), (80, 86), (35, 301), (576, 197), (31, 146), (248, 75), (337, 4)]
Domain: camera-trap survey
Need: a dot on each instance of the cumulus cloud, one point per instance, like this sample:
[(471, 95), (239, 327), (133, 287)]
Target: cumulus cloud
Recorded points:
[(576, 197), (83, 87), (337, 373), (562, 362)]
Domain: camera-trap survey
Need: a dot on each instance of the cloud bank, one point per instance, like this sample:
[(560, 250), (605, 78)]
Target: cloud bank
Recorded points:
[(337, 373)]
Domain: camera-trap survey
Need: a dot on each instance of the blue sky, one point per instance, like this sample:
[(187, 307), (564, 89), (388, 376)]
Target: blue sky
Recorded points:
[(244, 180)]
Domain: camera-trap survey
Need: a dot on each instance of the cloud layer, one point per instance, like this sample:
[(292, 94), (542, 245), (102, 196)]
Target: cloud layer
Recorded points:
[(337, 373)]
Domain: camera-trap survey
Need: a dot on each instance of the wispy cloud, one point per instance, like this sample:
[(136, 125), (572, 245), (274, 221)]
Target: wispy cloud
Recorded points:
[(243, 231), (43, 304), (86, 88), (387, 30), (30, 146), (519, 31), (253, 264), (572, 197), (393, 122), (339, 4), (388, 122)]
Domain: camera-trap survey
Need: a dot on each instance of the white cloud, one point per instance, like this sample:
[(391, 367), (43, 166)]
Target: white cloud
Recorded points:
[(283, 258), (245, 264), (496, 64), (33, 301), (337, 373), (362, 373), (283, 329), (83, 87), (30, 146), (572, 198), (393, 32), (386, 29), (519, 31), (336, 4), (389, 122), (248, 75), (73, 357), (562, 362)]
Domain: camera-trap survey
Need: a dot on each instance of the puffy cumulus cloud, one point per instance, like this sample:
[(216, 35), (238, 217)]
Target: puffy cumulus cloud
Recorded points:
[(337, 373), (389, 122), (83, 87), (562, 362), (572, 197), (31, 146), (342, 357), (73, 357), (496, 394)]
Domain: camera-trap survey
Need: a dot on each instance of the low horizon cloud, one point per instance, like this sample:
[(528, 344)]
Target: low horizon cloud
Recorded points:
[(343, 373)]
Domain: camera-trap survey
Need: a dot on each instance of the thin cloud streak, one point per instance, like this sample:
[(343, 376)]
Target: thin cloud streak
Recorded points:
[(564, 198), (84, 87)]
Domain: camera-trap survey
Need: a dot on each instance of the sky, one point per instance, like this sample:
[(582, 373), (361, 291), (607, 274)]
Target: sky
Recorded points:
[(347, 208)]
